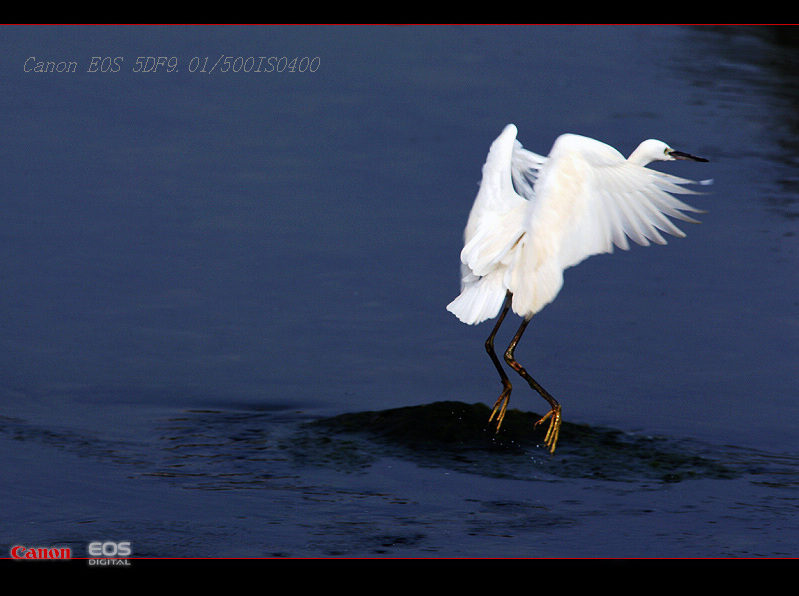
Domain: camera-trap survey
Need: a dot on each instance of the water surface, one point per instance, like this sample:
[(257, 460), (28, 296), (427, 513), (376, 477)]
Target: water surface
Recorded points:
[(204, 272)]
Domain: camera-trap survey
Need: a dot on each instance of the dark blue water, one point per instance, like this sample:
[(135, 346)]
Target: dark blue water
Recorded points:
[(196, 264)]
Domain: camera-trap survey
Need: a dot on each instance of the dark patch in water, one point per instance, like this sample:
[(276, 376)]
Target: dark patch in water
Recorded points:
[(457, 436)]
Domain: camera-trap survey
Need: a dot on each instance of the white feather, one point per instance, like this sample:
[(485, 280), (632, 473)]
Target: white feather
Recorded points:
[(533, 217)]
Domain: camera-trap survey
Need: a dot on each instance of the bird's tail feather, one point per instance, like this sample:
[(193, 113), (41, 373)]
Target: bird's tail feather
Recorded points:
[(480, 299)]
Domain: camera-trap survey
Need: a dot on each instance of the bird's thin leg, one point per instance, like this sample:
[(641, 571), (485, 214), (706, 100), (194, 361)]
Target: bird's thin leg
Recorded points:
[(502, 402), (551, 437)]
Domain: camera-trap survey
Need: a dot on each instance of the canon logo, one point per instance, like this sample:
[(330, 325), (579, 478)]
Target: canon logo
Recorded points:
[(22, 552)]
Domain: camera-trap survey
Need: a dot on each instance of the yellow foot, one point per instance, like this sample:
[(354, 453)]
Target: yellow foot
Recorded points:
[(551, 438), (500, 406)]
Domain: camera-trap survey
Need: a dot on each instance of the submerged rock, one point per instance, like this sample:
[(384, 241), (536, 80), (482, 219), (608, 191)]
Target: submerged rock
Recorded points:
[(458, 436)]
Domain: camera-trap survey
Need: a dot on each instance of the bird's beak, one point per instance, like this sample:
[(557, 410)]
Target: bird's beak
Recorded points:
[(681, 155)]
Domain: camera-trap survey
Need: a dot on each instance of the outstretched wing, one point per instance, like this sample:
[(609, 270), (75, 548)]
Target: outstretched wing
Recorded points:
[(587, 198), (496, 219), (594, 199)]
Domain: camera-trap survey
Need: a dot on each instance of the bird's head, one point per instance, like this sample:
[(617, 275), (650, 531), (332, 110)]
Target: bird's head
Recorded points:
[(654, 150)]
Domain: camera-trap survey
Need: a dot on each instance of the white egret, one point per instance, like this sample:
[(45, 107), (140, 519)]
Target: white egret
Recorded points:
[(535, 216)]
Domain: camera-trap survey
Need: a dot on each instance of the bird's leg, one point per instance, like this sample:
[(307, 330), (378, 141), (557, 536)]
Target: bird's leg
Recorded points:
[(551, 438), (502, 402)]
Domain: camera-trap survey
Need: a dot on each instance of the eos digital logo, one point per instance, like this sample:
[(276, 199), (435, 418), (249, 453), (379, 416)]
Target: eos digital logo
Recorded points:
[(108, 553)]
